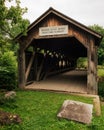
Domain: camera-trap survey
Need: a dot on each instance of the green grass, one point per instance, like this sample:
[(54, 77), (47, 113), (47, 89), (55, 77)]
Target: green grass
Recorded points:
[(38, 111)]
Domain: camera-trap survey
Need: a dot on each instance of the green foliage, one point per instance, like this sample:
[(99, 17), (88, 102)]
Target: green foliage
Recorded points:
[(100, 30), (11, 23), (7, 79), (82, 62), (101, 56), (101, 71), (101, 89), (101, 81), (8, 60), (8, 71)]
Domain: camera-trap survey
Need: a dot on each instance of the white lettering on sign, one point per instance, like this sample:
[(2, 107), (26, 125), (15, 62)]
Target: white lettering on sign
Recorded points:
[(53, 30)]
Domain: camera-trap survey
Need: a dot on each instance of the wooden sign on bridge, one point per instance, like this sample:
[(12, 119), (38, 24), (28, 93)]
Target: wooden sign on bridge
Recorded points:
[(53, 30)]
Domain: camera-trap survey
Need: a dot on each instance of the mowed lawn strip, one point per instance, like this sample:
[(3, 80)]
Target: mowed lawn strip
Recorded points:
[(38, 111)]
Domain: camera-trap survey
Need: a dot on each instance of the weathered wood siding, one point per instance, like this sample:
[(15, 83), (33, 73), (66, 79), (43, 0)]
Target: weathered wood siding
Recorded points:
[(84, 37), (55, 21)]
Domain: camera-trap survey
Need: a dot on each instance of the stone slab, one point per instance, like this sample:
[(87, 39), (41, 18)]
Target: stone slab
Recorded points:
[(77, 111)]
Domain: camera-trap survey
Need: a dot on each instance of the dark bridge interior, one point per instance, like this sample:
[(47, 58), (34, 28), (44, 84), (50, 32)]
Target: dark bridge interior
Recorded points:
[(68, 46), (53, 55)]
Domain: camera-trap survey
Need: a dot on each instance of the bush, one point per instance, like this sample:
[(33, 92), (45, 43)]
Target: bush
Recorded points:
[(82, 62), (8, 71), (101, 89), (7, 78)]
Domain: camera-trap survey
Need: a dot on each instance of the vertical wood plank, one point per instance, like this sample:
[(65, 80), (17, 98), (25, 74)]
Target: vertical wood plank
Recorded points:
[(21, 68), (29, 66), (92, 69), (40, 70)]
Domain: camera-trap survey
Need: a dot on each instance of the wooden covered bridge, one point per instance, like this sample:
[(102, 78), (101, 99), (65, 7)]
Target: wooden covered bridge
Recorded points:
[(53, 44)]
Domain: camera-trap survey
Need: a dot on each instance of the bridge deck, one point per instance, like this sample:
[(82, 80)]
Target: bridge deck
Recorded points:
[(72, 81)]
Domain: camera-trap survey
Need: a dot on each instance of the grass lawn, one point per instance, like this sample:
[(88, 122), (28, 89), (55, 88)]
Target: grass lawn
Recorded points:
[(38, 111)]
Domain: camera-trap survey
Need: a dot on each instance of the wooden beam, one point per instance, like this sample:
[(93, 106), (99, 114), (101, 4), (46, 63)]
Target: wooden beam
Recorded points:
[(35, 66), (29, 65), (92, 69), (95, 58), (39, 71), (21, 68)]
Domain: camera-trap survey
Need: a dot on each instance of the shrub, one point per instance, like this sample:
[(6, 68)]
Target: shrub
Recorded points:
[(82, 62), (8, 71), (101, 89)]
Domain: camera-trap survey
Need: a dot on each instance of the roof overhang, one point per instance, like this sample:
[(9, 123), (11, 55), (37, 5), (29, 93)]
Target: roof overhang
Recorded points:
[(66, 18)]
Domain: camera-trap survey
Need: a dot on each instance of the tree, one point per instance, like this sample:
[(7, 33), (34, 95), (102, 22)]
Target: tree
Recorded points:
[(100, 30), (11, 24)]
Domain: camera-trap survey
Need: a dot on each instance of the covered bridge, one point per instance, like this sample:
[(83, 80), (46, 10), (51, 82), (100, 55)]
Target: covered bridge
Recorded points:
[(53, 44)]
